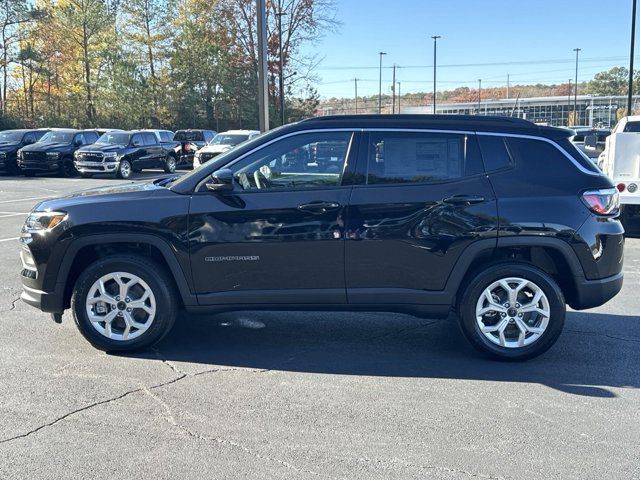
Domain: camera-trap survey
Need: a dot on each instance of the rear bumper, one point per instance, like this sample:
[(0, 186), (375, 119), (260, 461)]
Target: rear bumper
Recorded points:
[(593, 293)]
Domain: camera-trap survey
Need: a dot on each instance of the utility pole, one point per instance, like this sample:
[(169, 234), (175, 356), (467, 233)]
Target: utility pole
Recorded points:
[(281, 14), (569, 106), (633, 44), (435, 51), (508, 86), (263, 91), (355, 80), (479, 94), (380, 85), (393, 90), (399, 96), (575, 94)]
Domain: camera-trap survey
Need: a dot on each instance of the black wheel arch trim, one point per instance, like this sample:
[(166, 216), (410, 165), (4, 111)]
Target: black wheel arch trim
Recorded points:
[(184, 286)]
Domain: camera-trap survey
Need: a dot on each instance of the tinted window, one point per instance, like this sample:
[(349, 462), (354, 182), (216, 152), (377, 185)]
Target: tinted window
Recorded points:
[(633, 127), (166, 136), (208, 136), (309, 160), (11, 136), (91, 137), (30, 137), (137, 140), (494, 152), (57, 136), (189, 136), (79, 139), (408, 157), (538, 155), (149, 138)]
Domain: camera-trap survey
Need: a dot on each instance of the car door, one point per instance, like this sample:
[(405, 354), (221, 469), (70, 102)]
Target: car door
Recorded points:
[(138, 156), (424, 199), (153, 154), (279, 236)]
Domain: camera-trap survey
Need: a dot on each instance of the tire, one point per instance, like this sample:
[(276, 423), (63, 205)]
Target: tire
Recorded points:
[(170, 164), (68, 169), (516, 343), (124, 169), (163, 301)]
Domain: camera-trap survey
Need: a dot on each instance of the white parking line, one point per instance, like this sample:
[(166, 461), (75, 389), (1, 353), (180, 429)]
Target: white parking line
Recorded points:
[(23, 199), (8, 214), (8, 239)]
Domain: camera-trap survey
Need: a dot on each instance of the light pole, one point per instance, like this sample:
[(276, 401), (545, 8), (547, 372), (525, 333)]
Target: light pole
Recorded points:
[(282, 111), (575, 94), (633, 44), (380, 84), (435, 49), (479, 94), (355, 80), (399, 95), (263, 72), (569, 106), (393, 90)]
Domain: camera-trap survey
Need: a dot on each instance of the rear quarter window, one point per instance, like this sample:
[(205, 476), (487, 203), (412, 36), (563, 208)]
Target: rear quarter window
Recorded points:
[(541, 157), (495, 153)]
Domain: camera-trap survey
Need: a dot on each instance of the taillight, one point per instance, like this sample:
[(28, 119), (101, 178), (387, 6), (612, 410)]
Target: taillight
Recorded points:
[(602, 202), (621, 187)]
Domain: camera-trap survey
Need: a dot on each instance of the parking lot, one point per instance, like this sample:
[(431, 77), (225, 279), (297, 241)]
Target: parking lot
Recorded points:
[(310, 395)]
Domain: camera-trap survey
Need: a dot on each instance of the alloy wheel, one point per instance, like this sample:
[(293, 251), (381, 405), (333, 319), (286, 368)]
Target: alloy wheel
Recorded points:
[(120, 306), (513, 312)]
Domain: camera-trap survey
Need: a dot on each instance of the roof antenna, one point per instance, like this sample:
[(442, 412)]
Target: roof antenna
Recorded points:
[(515, 105)]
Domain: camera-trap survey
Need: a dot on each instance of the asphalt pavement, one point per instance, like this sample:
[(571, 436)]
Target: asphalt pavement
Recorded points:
[(254, 395)]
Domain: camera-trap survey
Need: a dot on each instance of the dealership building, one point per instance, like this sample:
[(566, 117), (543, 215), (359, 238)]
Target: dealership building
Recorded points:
[(592, 110)]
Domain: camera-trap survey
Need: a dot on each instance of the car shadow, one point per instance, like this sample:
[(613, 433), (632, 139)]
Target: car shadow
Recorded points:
[(583, 362)]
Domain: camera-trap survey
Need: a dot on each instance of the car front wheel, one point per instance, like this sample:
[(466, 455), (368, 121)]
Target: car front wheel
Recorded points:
[(512, 311), (125, 169), (124, 303)]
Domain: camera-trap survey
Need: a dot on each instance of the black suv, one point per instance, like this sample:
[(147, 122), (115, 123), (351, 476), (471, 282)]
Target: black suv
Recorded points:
[(53, 153), (122, 153), (190, 142), (10, 142), (497, 218)]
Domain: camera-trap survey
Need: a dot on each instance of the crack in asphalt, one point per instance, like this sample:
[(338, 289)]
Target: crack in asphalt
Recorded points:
[(88, 407), (613, 337), (396, 460), (171, 419)]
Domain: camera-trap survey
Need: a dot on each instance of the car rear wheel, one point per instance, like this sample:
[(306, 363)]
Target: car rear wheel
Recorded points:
[(170, 164), (124, 303), (125, 169), (512, 311)]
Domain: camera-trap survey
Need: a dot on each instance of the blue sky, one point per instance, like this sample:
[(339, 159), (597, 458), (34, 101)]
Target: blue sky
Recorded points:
[(541, 33)]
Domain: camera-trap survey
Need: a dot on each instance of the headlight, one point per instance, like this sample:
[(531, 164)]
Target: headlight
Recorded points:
[(3, 155), (110, 155), (43, 221), (53, 154), (19, 154)]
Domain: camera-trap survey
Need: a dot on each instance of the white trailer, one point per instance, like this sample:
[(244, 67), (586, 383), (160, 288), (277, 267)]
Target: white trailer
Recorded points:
[(620, 161)]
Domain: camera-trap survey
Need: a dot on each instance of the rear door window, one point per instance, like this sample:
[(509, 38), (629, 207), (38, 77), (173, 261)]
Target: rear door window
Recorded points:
[(149, 139), (495, 153), (417, 157)]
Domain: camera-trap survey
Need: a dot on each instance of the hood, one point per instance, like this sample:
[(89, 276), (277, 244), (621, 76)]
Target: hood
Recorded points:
[(9, 146), (111, 193), (45, 147), (101, 148), (218, 148)]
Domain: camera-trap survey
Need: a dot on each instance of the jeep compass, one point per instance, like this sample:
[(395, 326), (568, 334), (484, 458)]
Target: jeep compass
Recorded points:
[(499, 221)]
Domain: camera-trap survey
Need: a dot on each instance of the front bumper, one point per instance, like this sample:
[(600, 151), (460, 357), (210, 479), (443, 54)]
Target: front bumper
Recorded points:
[(96, 167), (49, 302), (39, 166)]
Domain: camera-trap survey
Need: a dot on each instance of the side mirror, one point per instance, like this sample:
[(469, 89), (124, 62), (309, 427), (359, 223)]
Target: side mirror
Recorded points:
[(29, 141), (135, 143), (221, 181), (78, 143), (591, 141)]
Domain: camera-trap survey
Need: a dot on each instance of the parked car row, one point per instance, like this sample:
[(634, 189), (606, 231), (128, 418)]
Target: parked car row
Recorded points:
[(71, 152)]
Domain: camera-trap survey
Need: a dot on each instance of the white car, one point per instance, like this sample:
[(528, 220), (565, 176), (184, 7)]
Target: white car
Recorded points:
[(222, 142)]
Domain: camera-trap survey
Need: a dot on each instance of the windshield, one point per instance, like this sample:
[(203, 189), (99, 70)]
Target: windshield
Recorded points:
[(228, 139), (114, 138), (632, 127), (189, 136), (57, 137), (10, 136)]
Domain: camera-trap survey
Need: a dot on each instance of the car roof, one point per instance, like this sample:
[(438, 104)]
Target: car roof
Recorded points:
[(449, 122), (238, 132)]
